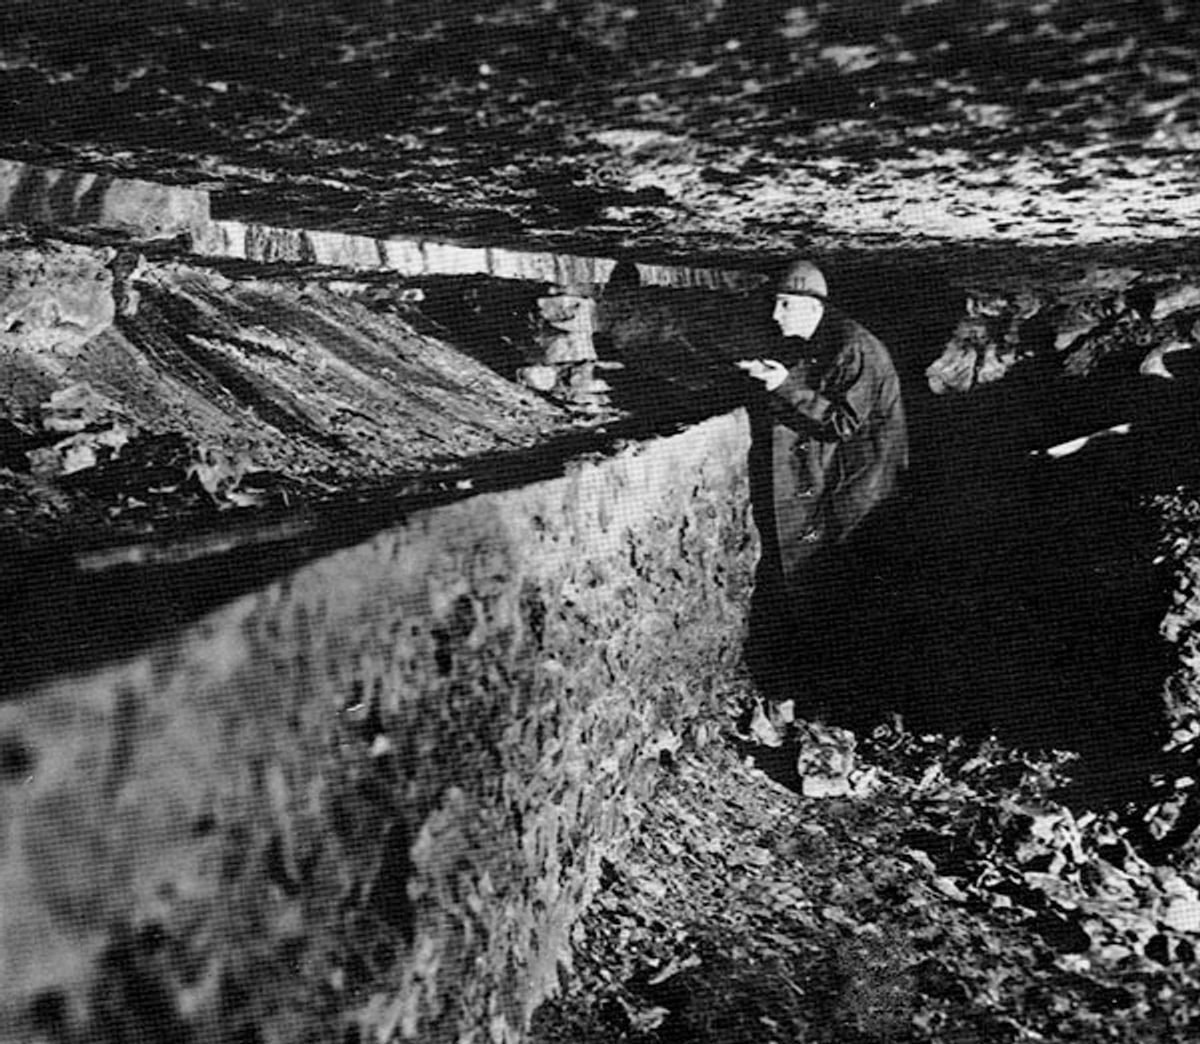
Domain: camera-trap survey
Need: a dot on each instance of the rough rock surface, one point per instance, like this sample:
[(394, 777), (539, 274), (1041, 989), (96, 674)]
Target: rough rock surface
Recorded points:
[(369, 798), (1002, 190), (302, 375), (716, 126)]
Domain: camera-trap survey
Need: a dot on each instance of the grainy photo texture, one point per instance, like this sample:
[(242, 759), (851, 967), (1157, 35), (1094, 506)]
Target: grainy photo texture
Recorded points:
[(599, 521)]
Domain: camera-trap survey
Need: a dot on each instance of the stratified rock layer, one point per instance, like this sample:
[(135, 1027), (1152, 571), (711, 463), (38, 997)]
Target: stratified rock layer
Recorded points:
[(379, 787), (32, 195), (299, 375)]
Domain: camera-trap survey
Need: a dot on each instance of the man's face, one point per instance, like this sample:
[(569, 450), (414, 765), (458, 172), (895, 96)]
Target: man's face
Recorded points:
[(797, 315)]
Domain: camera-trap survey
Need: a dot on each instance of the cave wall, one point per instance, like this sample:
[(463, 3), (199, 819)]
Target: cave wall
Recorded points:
[(374, 795)]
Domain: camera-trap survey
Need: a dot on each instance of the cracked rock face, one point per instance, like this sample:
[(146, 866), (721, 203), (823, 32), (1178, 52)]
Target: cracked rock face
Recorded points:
[(1118, 318), (1002, 191), (53, 302)]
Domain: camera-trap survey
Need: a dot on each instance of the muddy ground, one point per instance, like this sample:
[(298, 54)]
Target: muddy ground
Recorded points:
[(931, 152)]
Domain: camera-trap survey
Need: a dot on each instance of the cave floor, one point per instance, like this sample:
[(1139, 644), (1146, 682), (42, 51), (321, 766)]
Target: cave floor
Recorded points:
[(962, 895), (951, 898)]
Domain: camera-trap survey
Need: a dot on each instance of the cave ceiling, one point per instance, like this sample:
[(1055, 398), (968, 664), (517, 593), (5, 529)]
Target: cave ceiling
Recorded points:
[(721, 128)]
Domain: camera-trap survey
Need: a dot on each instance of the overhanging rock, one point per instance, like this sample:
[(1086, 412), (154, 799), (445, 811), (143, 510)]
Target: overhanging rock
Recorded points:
[(374, 793), (378, 785), (33, 195)]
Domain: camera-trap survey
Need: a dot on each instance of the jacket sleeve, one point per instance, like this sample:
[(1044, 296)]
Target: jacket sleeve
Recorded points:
[(835, 413)]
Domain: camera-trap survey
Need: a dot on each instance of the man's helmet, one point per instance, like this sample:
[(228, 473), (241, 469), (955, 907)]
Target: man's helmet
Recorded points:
[(802, 277)]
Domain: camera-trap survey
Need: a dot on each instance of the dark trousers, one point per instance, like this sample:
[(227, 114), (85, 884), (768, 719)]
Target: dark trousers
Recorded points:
[(813, 637)]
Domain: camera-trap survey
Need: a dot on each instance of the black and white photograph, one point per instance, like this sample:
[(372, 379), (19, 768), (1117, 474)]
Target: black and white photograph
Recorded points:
[(599, 522)]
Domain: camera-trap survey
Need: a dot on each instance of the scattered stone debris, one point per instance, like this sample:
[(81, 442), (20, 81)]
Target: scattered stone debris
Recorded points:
[(1103, 323), (142, 395), (901, 887), (955, 900)]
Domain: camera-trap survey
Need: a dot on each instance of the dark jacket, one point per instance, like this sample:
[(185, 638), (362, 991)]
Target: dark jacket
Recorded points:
[(838, 439)]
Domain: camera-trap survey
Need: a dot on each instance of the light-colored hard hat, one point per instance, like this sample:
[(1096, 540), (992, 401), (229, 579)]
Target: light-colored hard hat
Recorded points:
[(802, 277)]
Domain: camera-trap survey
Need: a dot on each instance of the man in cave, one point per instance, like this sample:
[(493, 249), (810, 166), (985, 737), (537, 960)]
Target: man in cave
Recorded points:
[(830, 446)]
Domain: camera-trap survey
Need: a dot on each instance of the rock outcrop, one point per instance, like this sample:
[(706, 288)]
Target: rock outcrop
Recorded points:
[(1115, 320), (365, 750), (369, 798)]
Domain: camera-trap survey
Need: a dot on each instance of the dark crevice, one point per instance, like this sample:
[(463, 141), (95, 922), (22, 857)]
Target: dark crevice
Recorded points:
[(48, 1014), (390, 898), (1006, 593), (17, 759), (131, 1002), (1002, 593)]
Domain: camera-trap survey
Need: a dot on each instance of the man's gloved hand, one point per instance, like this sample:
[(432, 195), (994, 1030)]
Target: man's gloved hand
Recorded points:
[(769, 371)]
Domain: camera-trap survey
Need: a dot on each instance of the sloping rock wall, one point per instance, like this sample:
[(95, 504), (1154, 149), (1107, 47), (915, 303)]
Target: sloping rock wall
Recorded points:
[(295, 373), (373, 796)]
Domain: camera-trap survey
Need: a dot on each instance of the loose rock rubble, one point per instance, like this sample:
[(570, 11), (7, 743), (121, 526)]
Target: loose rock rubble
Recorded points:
[(1020, 176), (957, 900)]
